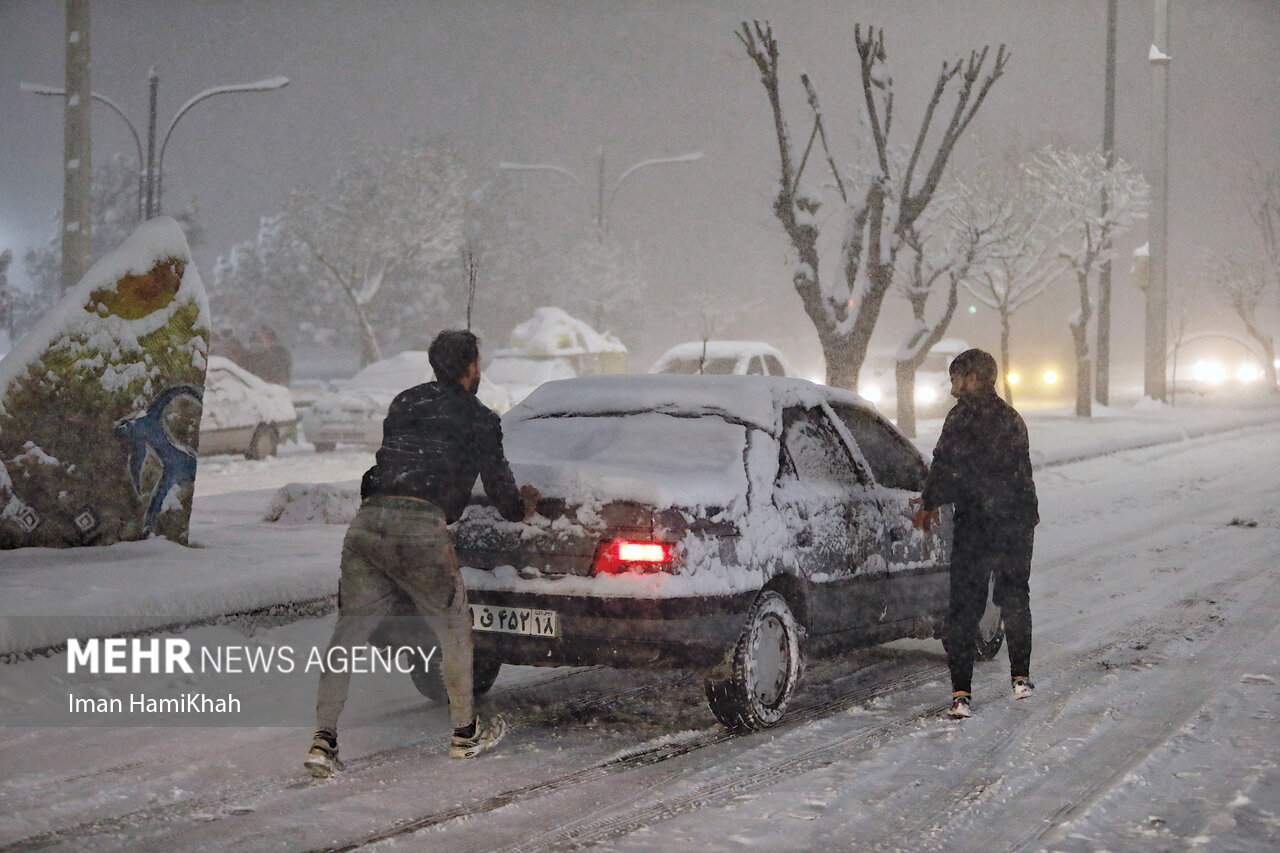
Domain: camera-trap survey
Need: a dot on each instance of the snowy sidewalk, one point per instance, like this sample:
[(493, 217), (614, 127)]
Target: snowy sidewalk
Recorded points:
[(245, 568)]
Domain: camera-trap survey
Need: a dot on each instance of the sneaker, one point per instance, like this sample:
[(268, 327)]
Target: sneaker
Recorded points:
[(1022, 687), (960, 709), (487, 734), (322, 760)]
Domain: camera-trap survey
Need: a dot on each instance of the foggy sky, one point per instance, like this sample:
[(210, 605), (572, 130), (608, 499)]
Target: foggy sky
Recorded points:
[(552, 80)]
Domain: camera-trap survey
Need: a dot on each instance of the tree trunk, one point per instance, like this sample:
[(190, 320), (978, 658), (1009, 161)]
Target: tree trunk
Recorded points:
[(1004, 356), (1268, 350), (905, 377), (1084, 371), (1080, 337)]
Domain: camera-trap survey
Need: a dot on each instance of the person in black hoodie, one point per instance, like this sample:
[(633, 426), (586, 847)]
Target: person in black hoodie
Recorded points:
[(436, 439), (982, 465)]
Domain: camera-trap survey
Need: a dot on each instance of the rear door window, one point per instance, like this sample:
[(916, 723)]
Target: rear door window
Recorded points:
[(895, 463), (813, 452)]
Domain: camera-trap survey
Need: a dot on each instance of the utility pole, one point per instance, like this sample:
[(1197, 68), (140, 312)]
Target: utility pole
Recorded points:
[(1154, 380), (1103, 391), (77, 183)]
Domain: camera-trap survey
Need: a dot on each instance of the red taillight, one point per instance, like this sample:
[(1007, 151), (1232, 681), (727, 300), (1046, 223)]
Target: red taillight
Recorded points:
[(629, 555)]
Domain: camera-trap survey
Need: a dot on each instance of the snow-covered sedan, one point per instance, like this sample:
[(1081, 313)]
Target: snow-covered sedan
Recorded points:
[(243, 413), (716, 523), (353, 414)]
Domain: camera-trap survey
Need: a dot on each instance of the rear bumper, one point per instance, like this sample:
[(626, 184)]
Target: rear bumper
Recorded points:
[(693, 632)]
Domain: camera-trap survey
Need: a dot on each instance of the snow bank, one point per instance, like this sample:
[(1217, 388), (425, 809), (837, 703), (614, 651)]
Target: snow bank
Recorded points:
[(324, 503)]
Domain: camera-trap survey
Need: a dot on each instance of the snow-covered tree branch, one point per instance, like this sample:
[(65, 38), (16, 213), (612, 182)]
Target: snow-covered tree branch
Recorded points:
[(1076, 183), (882, 198)]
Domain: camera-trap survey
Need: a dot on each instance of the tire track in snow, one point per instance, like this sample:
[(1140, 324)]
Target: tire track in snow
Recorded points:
[(1170, 621)]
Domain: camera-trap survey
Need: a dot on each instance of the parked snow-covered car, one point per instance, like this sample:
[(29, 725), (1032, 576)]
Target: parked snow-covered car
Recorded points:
[(242, 413), (878, 382), (714, 523), (353, 414), (743, 358)]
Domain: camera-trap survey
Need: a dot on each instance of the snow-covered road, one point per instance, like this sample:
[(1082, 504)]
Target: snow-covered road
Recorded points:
[(1155, 588)]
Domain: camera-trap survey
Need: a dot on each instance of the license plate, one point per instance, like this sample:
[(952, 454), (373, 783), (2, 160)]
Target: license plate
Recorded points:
[(515, 620)]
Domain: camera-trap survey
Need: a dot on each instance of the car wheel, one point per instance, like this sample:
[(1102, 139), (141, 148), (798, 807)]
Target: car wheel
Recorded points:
[(990, 627), (764, 667), (430, 682), (325, 446), (263, 444)]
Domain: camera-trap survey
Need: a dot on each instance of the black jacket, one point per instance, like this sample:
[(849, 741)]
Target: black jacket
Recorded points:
[(982, 464), (437, 437)]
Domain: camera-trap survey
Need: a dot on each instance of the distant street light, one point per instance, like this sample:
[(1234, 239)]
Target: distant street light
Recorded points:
[(603, 204), (150, 168), (37, 89)]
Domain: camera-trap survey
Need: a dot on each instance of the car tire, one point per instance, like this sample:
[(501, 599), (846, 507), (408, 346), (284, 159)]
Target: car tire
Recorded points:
[(990, 628), (263, 444), (325, 446), (764, 668), (430, 681)]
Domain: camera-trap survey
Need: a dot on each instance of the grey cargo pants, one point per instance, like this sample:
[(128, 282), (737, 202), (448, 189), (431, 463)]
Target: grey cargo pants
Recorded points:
[(400, 544)]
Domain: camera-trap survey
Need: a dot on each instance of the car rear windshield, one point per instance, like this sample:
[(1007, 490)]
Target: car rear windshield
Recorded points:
[(648, 456)]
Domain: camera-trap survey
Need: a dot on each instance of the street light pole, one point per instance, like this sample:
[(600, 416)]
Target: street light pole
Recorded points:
[(77, 162), (1154, 381), (149, 167), (260, 86), (603, 204), (36, 89), (153, 82)]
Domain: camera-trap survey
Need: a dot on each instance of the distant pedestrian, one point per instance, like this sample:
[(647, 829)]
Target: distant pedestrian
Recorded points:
[(437, 437), (268, 358), (982, 465)]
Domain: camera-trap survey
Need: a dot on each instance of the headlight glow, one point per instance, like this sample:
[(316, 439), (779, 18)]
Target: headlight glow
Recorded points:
[(1247, 373), (1051, 377), (871, 392), (926, 394), (1209, 371), (1013, 378)]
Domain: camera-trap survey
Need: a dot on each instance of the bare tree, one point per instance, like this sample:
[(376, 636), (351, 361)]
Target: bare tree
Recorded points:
[(881, 203), (945, 249), (385, 221), (1025, 259), (1241, 282), (1265, 211), (1075, 182), (471, 272)]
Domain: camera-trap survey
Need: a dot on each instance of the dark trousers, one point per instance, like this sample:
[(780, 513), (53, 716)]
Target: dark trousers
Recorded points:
[(977, 556)]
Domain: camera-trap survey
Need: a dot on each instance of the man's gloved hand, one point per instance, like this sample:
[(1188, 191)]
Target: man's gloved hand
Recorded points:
[(924, 519), (531, 496)]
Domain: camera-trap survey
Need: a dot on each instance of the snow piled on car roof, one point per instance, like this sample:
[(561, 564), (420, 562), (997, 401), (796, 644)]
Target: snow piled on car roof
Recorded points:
[(754, 401), (235, 397), (552, 331), (716, 349)]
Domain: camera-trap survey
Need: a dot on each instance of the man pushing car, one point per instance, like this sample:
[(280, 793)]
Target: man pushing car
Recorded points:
[(437, 438), (982, 465)]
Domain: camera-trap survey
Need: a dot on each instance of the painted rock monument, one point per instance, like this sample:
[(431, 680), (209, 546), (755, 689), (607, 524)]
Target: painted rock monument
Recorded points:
[(100, 403)]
